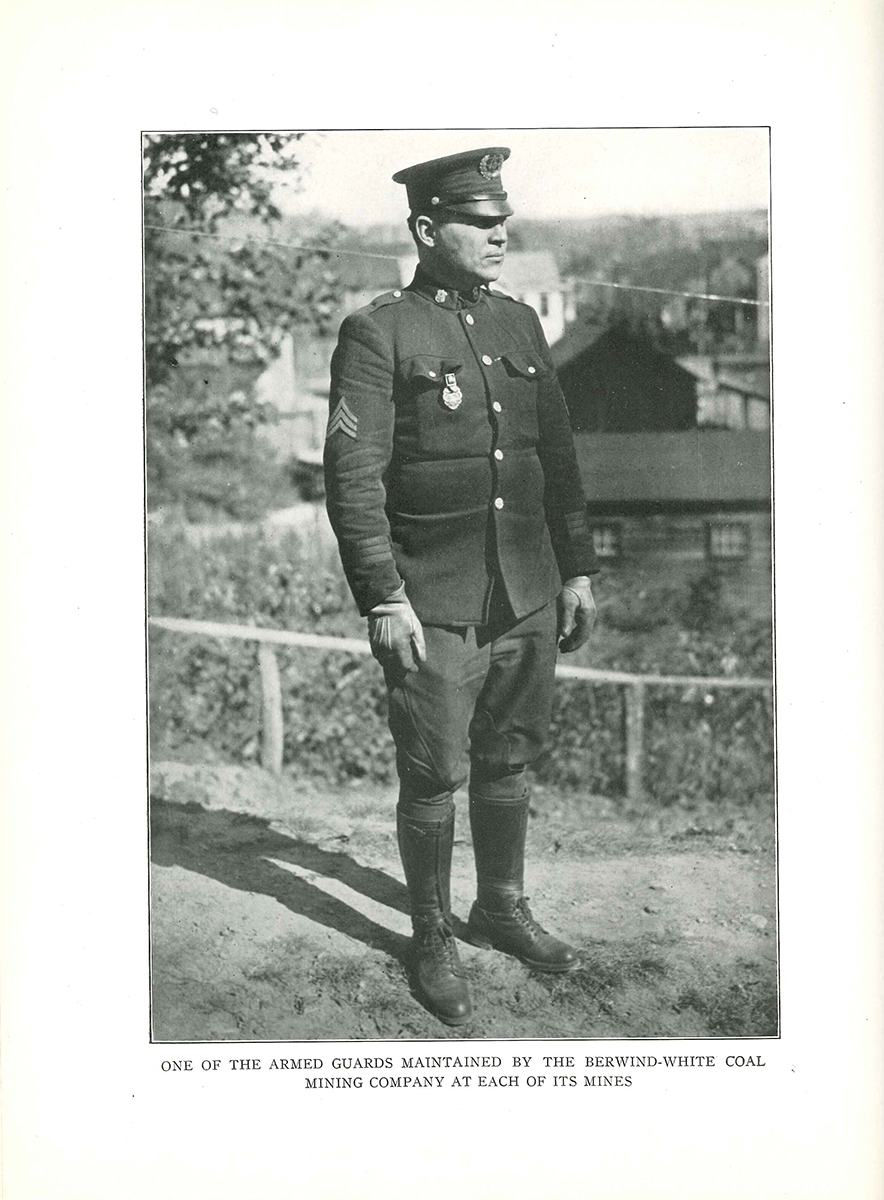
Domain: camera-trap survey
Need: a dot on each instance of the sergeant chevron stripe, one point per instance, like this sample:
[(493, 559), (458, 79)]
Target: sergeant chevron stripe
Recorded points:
[(342, 418)]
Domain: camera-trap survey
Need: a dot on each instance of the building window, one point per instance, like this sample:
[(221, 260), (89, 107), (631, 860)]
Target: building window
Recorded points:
[(727, 541), (606, 539), (544, 304)]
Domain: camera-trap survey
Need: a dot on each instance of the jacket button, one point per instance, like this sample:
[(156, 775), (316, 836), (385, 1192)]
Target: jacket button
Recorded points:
[(498, 454), (397, 294), (496, 407), (432, 374), (531, 370), (487, 360), (498, 503), (469, 320)]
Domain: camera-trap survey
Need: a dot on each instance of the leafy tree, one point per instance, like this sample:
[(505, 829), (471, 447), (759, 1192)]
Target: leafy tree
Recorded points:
[(217, 307)]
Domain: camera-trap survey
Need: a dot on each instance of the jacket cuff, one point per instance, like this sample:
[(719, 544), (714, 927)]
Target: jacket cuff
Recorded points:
[(369, 592), (397, 598), (370, 569), (575, 551)]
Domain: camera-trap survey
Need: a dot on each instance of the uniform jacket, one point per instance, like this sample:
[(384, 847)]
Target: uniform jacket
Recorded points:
[(449, 458)]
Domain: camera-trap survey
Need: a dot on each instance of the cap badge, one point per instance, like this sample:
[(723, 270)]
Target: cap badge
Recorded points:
[(452, 397), (441, 296), (489, 166)]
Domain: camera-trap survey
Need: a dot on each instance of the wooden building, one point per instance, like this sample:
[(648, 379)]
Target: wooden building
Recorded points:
[(669, 507), (733, 390)]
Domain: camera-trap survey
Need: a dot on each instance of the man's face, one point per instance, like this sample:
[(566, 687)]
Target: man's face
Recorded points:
[(469, 250)]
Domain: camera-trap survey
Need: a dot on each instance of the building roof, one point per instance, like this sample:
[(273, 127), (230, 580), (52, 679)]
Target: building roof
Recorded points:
[(748, 374), (617, 381), (577, 338), (710, 466), (758, 388)]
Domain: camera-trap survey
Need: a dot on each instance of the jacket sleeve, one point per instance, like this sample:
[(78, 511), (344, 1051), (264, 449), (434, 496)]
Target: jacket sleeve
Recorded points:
[(358, 448), (563, 497)]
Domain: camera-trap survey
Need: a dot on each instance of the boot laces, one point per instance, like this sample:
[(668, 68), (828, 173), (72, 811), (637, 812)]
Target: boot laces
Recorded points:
[(445, 950), (525, 917), (442, 944)]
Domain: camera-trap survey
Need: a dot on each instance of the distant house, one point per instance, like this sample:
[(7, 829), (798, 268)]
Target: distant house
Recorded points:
[(533, 277), (296, 384), (297, 381), (671, 507), (615, 381), (762, 275), (733, 387), (733, 390)]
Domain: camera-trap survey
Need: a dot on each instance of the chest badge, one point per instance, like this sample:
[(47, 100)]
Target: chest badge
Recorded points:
[(452, 396)]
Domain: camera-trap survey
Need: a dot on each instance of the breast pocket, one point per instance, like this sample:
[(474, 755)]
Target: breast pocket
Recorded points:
[(524, 369), (441, 405)]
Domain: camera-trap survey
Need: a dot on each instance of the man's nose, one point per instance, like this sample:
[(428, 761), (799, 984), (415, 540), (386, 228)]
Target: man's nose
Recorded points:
[(498, 235)]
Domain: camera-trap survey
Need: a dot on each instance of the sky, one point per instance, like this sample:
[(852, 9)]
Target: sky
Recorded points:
[(551, 173)]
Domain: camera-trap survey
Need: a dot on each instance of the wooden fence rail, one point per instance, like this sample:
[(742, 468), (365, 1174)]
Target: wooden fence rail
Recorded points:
[(272, 725)]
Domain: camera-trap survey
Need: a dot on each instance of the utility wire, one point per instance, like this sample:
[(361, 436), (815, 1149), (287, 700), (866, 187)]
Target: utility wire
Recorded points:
[(234, 237), (602, 283)]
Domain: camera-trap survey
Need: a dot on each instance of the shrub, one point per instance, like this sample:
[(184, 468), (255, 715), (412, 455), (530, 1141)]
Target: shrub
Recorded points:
[(704, 608)]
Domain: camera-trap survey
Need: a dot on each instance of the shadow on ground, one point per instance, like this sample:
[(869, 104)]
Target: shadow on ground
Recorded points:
[(233, 848)]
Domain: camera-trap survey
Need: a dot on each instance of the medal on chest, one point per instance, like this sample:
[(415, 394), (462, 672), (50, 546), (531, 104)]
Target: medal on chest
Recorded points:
[(452, 396)]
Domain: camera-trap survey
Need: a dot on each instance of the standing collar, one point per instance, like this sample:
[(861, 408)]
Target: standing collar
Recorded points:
[(444, 297)]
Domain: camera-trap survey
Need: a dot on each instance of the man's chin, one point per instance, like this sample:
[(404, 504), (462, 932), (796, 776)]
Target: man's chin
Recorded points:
[(491, 270)]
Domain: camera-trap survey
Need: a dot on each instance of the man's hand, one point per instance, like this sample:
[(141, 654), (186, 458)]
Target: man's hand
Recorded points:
[(395, 633), (576, 613)]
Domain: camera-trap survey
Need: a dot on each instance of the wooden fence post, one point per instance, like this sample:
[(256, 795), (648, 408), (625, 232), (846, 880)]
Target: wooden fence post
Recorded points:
[(635, 737), (271, 694)]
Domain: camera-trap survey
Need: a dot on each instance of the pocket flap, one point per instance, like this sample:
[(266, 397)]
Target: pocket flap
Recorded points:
[(526, 363), (427, 370)]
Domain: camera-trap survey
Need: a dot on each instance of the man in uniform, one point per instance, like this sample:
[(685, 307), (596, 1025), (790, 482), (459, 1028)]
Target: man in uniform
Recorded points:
[(454, 493)]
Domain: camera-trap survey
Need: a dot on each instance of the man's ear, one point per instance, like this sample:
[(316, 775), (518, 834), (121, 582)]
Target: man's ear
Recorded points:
[(425, 231)]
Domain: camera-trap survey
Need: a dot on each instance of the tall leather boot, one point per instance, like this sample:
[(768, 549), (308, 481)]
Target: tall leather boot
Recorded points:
[(500, 917), (438, 975)]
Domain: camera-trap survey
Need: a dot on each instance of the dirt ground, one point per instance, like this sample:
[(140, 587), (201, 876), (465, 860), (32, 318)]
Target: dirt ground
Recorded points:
[(279, 913)]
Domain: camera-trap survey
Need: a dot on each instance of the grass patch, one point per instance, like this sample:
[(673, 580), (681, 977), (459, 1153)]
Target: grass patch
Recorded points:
[(605, 972), (337, 974), (735, 1007)]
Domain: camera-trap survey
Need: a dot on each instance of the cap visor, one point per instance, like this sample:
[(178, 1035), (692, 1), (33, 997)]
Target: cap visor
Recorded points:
[(482, 208)]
